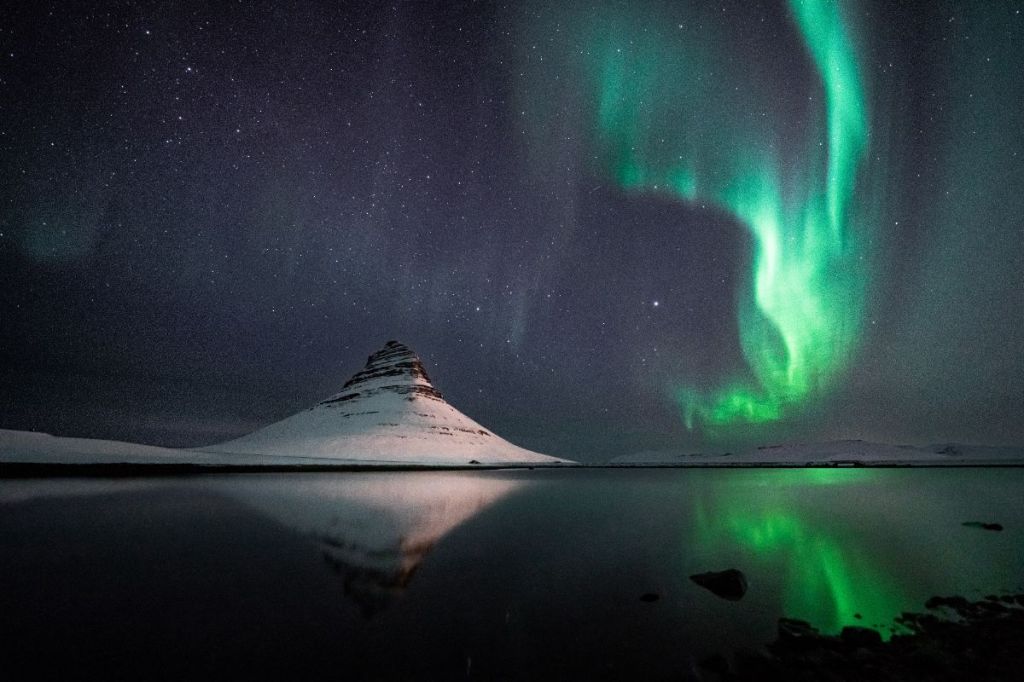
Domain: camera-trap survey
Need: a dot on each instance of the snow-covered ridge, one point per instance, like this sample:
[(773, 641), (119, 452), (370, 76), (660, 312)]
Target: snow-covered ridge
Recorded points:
[(30, 447), (835, 453)]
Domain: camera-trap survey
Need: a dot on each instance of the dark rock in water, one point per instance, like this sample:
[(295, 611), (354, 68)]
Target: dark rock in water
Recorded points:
[(956, 602), (730, 584), (473, 461), (980, 641), (649, 597), (858, 636), (983, 525), (791, 629)]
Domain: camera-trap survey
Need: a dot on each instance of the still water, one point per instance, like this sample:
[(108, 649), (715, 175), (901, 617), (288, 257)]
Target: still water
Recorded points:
[(487, 575)]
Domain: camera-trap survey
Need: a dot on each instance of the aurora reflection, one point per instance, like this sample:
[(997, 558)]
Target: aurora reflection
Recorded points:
[(827, 578)]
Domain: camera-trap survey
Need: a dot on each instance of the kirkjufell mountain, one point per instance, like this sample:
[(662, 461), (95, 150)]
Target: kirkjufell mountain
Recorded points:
[(387, 412)]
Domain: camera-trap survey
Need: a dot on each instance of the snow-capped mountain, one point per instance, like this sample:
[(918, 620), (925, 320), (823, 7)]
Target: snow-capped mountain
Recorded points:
[(388, 412)]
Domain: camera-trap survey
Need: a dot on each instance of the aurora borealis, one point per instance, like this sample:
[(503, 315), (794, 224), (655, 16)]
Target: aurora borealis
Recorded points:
[(607, 227), (659, 129)]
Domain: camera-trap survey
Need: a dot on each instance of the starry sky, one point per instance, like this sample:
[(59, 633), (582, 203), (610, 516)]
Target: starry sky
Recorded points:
[(606, 227)]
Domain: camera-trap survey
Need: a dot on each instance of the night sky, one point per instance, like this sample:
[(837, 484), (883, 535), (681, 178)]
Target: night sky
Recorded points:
[(606, 228)]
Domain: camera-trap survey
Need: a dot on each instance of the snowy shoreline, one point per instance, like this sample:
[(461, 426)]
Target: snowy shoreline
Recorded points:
[(25, 453)]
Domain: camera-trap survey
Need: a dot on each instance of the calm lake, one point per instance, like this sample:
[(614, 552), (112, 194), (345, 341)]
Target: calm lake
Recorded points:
[(490, 575)]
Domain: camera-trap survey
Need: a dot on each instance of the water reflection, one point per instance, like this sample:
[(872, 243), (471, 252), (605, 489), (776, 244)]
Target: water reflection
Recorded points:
[(828, 576), (20, 491), (531, 575), (373, 529)]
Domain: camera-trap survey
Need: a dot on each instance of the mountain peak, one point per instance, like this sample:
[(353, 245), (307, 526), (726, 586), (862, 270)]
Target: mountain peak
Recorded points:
[(388, 412), (395, 368)]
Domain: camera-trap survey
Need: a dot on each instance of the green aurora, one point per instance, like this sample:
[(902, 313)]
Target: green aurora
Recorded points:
[(669, 120)]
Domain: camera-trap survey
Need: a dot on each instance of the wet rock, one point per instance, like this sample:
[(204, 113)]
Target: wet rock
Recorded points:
[(918, 622), (983, 525), (473, 461), (977, 640), (860, 637), (791, 629), (729, 584), (956, 602), (649, 597)]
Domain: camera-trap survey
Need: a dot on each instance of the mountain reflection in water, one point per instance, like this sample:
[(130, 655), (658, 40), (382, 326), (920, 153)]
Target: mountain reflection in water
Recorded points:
[(374, 529), (565, 574)]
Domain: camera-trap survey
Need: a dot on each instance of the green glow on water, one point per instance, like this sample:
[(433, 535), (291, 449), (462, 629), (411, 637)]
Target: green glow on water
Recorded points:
[(669, 121), (826, 576), (826, 581)]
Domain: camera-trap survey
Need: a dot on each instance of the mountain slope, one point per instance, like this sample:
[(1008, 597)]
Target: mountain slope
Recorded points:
[(387, 412)]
